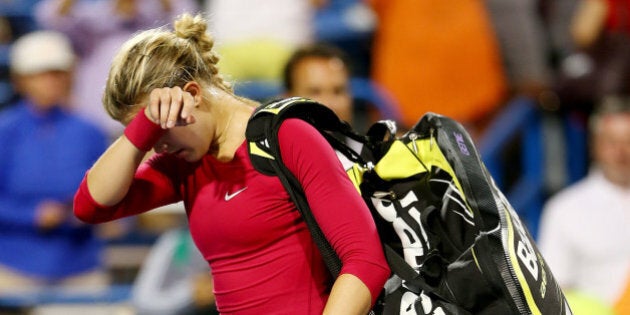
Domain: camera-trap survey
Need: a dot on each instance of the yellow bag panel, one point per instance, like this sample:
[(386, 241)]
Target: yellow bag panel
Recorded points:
[(399, 162), (418, 156)]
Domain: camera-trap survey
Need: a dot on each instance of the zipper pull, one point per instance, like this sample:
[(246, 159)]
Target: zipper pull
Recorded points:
[(413, 136)]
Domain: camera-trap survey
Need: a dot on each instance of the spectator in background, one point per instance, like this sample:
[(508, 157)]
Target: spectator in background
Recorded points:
[(255, 38), (323, 72), (439, 56), (320, 72), (584, 233), (45, 151), (97, 29), (524, 48), (527, 46)]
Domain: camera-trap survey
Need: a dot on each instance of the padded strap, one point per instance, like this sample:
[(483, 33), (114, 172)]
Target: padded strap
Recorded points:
[(293, 187)]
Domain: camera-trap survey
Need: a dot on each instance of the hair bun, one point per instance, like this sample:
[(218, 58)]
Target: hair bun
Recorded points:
[(190, 28)]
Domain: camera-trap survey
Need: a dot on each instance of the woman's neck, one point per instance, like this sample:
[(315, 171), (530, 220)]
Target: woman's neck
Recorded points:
[(232, 133)]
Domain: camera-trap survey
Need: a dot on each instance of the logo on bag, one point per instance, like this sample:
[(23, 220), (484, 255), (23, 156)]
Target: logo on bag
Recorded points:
[(459, 138)]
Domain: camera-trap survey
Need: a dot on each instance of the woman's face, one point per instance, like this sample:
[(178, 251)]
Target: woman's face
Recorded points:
[(190, 142)]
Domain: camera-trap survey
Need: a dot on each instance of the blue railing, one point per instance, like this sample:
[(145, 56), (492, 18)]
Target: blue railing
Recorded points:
[(521, 120), (110, 295)]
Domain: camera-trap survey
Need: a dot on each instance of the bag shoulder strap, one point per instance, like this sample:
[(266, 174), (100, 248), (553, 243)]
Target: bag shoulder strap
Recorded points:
[(264, 124), (264, 151)]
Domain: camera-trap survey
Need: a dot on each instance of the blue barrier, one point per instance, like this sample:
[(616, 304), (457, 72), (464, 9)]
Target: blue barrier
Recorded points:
[(577, 147), (52, 295), (367, 90), (520, 119)]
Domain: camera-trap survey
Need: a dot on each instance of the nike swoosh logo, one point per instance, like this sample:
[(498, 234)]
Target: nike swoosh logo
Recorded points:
[(229, 196)]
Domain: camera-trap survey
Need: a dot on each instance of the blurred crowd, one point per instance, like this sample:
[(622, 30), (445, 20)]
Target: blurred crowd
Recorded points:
[(393, 59)]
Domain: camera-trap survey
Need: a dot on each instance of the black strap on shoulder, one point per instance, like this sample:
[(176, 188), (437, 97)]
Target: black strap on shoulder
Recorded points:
[(262, 134), (291, 184)]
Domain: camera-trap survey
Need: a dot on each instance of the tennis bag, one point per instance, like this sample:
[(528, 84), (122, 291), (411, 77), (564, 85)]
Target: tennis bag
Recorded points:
[(454, 243)]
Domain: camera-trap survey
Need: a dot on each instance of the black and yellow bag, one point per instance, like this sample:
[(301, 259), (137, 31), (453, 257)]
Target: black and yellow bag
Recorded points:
[(454, 243)]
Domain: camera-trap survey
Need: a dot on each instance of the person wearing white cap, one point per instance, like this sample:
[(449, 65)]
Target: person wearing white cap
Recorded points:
[(40, 52), (44, 151), (97, 29)]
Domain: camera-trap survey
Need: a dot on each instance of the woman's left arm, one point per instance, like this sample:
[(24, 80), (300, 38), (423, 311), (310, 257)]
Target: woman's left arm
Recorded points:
[(349, 295), (342, 215)]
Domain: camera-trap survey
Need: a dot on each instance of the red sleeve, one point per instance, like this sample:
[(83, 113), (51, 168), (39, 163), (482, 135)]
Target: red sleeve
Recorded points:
[(149, 190), (337, 206)]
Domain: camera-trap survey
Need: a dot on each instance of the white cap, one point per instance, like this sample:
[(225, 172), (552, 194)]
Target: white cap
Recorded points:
[(41, 51)]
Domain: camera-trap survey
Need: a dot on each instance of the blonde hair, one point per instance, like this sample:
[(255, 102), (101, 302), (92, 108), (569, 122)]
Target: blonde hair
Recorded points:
[(161, 58)]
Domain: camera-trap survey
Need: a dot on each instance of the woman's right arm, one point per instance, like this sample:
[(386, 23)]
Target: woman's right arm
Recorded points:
[(118, 185), (111, 176)]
